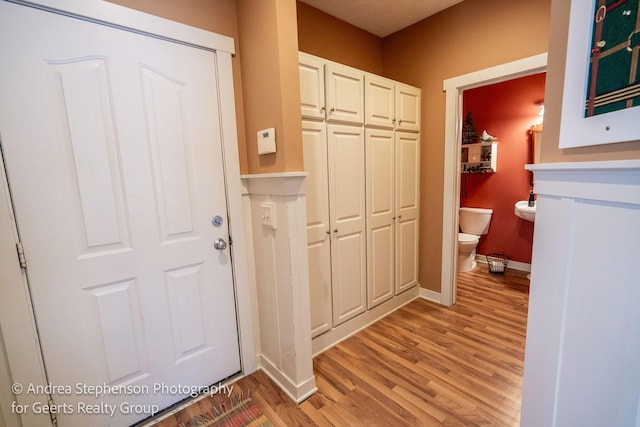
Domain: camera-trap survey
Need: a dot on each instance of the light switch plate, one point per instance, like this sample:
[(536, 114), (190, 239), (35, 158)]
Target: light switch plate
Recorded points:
[(268, 215)]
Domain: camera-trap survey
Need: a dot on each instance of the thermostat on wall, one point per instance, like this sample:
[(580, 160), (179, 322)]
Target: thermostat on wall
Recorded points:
[(267, 141)]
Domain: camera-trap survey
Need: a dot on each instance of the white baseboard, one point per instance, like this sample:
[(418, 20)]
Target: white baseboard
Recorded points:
[(430, 295), (297, 392), (340, 333)]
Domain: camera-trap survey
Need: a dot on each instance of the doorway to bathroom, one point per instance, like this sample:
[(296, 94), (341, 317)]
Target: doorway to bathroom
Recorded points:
[(497, 121), (454, 89)]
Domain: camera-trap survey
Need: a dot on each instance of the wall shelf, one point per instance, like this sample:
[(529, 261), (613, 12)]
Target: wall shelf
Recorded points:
[(479, 158)]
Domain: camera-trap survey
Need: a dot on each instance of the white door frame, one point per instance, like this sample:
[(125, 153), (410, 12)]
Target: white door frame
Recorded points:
[(453, 88), (17, 325)]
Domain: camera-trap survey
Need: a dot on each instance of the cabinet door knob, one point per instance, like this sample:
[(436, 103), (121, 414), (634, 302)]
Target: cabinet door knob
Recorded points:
[(328, 231), (332, 110), (335, 230)]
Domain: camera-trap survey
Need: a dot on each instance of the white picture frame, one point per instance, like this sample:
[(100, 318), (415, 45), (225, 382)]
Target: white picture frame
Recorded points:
[(576, 130)]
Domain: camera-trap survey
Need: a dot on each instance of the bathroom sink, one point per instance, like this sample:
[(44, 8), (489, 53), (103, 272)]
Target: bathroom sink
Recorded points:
[(524, 211)]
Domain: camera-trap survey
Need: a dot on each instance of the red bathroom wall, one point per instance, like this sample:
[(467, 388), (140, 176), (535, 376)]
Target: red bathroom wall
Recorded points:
[(507, 111)]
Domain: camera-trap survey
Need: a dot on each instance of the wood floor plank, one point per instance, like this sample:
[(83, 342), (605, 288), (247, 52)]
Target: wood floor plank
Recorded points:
[(423, 365)]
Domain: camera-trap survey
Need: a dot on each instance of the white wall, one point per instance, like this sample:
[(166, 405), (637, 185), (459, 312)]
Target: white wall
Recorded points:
[(583, 335)]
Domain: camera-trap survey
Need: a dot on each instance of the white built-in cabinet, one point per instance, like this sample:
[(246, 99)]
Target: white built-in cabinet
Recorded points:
[(392, 198), (361, 150), (336, 233), (331, 92), (390, 104)]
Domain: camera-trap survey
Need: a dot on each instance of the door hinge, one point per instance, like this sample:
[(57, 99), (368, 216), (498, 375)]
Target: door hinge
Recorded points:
[(53, 414), (21, 257)]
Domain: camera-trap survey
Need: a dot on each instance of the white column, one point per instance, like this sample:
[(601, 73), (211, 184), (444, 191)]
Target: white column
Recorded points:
[(583, 335), (282, 280)]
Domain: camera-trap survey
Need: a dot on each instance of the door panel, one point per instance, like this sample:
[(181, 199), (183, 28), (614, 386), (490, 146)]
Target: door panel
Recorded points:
[(379, 95), (85, 92), (407, 207), (345, 94), (347, 215), (380, 155), (314, 146), (114, 160), (311, 88), (164, 118), (407, 254), (407, 108)]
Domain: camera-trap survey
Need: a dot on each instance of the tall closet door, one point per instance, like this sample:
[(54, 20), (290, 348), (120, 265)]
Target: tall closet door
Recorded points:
[(407, 208), (314, 145), (347, 214), (379, 147)]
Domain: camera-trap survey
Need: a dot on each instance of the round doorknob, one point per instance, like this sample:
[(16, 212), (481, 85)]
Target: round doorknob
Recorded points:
[(220, 244)]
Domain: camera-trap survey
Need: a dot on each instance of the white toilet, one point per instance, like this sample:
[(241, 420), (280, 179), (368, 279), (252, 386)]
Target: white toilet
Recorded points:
[(474, 222)]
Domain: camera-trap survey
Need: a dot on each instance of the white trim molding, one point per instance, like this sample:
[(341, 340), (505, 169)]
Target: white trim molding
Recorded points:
[(282, 280), (430, 295), (105, 13), (454, 88), (583, 333)]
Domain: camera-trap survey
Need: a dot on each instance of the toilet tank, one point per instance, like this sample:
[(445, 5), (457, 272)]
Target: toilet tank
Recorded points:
[(475, 220)]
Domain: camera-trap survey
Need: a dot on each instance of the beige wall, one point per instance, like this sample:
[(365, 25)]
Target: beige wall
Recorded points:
[(550, 152), (470, 36), (330, 38), (270, 82)]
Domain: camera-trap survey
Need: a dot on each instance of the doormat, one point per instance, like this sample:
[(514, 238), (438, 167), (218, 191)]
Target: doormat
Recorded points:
[(238, 411)]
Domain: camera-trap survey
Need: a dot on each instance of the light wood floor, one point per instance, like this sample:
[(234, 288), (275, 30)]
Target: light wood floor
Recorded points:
[(424, 365)]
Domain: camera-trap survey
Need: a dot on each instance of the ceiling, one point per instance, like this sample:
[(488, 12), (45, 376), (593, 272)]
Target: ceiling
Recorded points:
[(381, 17)]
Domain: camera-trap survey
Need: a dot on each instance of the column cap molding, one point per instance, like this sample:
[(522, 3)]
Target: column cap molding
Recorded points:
[(277, 184), (611, 181)]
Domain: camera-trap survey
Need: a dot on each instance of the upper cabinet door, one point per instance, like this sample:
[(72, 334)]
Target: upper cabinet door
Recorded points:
[(311, 88), (407, 108), (345, 94), (379, 95)]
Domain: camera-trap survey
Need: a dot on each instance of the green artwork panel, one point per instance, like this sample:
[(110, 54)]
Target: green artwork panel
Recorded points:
[(614, 67)]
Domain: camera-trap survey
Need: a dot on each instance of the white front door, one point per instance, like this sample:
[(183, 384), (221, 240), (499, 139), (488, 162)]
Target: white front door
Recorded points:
[(112, 145)]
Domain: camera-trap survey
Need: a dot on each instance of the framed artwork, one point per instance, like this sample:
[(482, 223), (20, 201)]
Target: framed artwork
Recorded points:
[(601, 98)]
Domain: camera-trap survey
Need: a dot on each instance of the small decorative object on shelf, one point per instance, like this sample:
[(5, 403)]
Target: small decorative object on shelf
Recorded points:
[(478, 158), (469, 134), (486, 137)]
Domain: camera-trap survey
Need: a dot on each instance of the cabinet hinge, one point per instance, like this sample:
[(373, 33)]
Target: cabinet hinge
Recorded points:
[(52, 414), (21, 257)]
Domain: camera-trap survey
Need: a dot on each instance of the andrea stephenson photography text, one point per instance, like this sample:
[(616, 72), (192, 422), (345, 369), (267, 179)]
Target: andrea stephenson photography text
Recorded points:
[(95, 391)]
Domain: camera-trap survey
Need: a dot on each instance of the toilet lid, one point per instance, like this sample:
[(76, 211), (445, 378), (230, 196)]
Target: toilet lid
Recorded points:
[(466, 237)]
